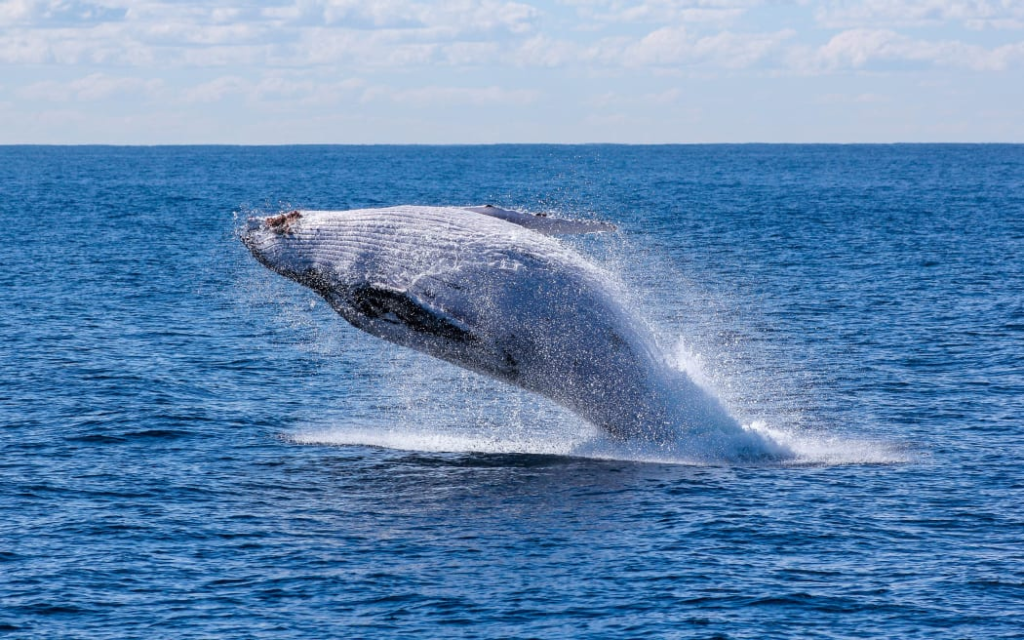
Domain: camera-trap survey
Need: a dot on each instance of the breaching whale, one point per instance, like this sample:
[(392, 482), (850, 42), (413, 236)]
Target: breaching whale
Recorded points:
[(492, 291)]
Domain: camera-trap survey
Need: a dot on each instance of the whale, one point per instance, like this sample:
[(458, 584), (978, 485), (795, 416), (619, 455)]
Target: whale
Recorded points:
[(499, 293)]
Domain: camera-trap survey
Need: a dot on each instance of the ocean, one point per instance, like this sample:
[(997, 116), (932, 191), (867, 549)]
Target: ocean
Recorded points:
[(194, 447)]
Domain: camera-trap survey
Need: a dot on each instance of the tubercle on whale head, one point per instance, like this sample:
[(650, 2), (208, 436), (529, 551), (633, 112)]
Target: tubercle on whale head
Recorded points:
[(282, 223), (278, 224)]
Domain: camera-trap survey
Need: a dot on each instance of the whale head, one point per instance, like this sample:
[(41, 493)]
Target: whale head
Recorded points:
[(368, 272), (277, 243)]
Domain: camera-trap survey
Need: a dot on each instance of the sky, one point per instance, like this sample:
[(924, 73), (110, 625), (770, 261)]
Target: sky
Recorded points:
[(495, 71)]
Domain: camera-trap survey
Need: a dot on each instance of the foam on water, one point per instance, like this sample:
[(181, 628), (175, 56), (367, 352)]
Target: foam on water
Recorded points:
[(808, 450), (433, 441), (804, 446), (823, 449)]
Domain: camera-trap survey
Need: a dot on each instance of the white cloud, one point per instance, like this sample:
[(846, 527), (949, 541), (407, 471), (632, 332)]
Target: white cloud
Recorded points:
[(674, 46), (381, 33), (357, 59), (57, 12), (470, 54), (859, 48), (96, 86), (432, 96), (973, 14), (671, 96), (98, 44), (544, 51), (718, 12), (649, 99), (401, 34), (273, 88), (847, 98), (617, 120), (451, 16), (668, 47), (322, 46), (14, 11), (215, 90), (360, 36), (187, 33)]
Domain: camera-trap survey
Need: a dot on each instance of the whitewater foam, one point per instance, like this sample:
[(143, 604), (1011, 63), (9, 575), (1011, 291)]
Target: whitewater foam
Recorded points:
[(807, 450)]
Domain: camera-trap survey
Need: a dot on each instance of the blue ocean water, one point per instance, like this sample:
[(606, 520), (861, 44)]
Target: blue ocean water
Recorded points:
[(194, 447)]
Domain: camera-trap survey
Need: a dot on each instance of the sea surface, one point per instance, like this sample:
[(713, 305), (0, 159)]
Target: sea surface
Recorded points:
[(194, 447)]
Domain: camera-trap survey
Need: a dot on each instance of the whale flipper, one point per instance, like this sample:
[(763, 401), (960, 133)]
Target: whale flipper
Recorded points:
[(541, 223), (401, 307)]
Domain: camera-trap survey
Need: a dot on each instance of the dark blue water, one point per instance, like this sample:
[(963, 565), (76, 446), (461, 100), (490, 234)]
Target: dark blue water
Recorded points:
[(193, 447)]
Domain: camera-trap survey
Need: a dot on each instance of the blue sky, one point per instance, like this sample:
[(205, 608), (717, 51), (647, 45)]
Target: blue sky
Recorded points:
[(482, 71)]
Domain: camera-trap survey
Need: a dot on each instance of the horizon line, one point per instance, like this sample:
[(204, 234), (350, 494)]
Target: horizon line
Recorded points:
[(498, 144)]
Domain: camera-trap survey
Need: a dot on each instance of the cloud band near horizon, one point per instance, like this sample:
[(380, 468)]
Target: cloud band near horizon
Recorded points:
[(498, 71)]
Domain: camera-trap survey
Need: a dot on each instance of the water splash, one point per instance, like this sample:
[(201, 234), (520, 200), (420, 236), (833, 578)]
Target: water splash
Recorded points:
[(438, 408), (585, 442)]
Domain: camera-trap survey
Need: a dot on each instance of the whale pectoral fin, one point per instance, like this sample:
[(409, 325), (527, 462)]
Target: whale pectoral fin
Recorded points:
[(541, 223), (392, 305)]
